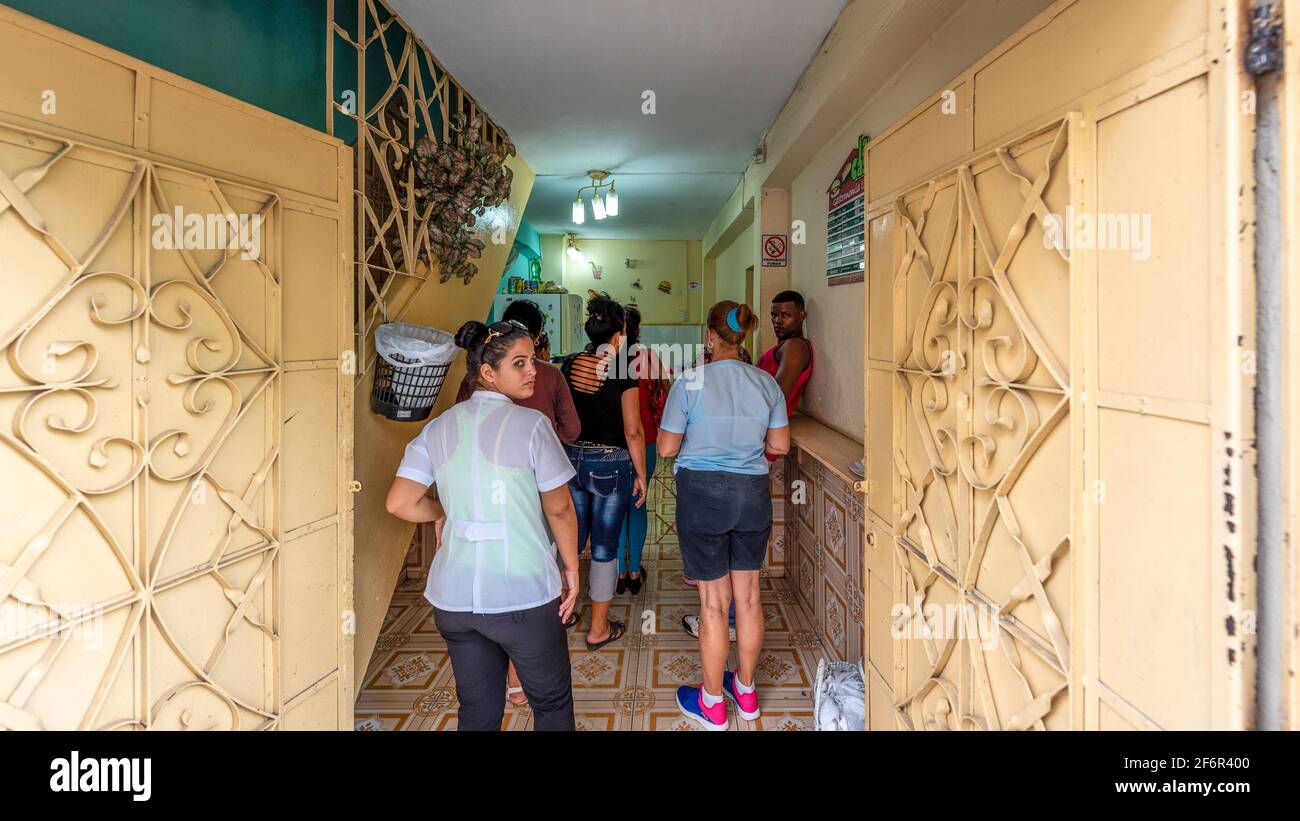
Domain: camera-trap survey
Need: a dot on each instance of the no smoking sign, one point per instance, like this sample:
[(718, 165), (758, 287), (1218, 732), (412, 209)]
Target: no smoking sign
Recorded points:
[(774, 250)]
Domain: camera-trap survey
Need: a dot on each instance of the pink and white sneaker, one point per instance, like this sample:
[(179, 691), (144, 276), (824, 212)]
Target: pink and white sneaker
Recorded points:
[(746, 703), (689, 702)]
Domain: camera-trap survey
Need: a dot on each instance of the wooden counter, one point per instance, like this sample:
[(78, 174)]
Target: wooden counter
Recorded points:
[(833, 449)]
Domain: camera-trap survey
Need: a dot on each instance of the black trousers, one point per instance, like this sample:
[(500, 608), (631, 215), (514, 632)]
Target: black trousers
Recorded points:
[(480, 646)]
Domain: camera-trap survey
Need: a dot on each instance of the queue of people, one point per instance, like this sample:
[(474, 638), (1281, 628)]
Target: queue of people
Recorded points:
[(534, 462)]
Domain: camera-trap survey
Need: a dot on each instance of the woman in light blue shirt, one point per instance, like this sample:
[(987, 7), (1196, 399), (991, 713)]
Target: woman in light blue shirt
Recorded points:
[(719, 421)]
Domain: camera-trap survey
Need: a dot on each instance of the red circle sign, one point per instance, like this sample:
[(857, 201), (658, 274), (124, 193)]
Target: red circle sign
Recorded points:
[(774, 247)]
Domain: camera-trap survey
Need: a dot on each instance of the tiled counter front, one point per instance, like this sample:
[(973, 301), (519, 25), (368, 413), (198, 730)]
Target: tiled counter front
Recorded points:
[(823, 550), (776, 542)]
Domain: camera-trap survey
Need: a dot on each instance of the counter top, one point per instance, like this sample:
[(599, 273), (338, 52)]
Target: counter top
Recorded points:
[(830, 447)]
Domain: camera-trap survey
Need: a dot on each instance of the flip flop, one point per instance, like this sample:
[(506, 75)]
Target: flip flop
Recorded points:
[(616, 631), (573, 619), (511, 691)]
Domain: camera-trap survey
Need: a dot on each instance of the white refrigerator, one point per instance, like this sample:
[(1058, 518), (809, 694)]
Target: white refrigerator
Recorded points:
[(563, 314)]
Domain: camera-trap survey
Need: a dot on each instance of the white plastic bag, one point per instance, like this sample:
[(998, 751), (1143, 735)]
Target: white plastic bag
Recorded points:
[(417, 345), (840, 697)]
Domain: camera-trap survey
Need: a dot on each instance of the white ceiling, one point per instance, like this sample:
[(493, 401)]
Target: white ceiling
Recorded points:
[(565, 79)]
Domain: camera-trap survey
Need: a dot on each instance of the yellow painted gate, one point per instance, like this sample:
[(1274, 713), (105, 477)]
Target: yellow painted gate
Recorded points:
[(1058, 427), (174, 425)]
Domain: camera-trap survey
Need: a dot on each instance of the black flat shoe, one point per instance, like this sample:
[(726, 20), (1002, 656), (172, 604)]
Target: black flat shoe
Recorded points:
[(622, 586), (635, 584)]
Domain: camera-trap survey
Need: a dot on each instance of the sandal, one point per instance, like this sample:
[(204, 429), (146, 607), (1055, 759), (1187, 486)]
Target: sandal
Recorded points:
[(616, 631), (573, 619), (511, 691)]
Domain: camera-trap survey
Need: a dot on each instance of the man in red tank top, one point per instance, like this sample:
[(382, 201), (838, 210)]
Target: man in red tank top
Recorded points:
[(790, 360)]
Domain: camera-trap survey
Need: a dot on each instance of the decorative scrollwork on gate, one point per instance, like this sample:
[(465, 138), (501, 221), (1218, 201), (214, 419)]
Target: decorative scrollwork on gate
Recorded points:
[(982, 392), (127, 386)]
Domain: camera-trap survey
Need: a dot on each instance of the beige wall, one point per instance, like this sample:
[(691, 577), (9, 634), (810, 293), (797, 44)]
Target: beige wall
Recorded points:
[(677, 261), (731, 265), (381, 539), (552, 258)]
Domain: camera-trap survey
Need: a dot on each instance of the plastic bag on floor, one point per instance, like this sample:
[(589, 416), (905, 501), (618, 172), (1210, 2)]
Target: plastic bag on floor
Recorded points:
[(840, 697)]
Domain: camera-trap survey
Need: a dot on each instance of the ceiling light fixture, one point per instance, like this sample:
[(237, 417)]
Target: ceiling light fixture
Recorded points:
[(572, 251), (611, 201), (600, 207)]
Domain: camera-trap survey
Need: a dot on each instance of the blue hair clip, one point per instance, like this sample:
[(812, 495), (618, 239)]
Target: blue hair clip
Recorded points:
[(732, 323)]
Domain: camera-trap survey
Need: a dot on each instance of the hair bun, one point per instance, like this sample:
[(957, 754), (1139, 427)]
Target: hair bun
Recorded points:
[(746, 318), (469, 334), (597, 305)]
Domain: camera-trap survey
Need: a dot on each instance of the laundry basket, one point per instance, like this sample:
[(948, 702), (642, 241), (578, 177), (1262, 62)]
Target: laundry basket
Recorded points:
[(840, 696), (409, 371)]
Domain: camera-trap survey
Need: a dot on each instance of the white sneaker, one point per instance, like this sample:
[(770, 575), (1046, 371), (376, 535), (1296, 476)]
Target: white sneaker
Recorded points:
[(691, 624)]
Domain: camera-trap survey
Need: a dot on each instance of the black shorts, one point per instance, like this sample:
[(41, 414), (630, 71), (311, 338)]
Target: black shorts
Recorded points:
[(723, 521)]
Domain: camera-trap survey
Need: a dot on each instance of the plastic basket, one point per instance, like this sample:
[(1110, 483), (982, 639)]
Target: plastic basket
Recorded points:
[(406, 386)]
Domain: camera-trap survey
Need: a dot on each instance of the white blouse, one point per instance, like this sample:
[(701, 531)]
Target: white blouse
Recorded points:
[(490, 459)]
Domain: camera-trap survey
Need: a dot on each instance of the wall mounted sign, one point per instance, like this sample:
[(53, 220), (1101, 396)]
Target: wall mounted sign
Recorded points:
[(774, 247), (845, 223)]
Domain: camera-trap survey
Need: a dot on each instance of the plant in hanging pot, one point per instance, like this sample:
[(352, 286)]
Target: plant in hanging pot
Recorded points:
[(457, 184)]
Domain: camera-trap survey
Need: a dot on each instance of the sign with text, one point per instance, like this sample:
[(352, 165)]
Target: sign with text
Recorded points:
[(774, 247), (845, 223)]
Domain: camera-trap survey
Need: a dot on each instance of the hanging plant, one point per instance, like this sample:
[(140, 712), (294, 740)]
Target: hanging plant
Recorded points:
[(457, 183)]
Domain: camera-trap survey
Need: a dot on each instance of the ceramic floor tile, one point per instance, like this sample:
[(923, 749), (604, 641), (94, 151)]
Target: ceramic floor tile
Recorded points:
[(601, 715), (601, 674), (408, 670), (784, 715), (365, 720)]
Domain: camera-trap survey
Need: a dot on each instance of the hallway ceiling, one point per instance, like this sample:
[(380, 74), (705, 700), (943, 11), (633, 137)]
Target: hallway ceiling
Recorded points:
[(565, 79)]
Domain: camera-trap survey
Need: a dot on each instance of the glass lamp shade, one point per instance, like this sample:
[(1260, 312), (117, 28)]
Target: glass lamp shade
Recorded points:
[(611, 202), (597, 206), (579, 213)]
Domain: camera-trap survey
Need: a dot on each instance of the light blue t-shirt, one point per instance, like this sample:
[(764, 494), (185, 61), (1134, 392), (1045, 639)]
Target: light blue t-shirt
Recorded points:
[(724, 409)]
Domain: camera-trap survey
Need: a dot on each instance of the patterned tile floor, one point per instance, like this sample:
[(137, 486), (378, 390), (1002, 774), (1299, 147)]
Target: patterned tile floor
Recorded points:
[(627, 685)]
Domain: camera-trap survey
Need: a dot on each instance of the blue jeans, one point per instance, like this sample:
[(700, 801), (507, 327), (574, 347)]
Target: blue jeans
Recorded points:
[(602, 493), (631, 538)]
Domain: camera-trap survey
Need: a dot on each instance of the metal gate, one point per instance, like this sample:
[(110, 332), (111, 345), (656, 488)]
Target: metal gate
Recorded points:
[(981, 441), (175, 429)]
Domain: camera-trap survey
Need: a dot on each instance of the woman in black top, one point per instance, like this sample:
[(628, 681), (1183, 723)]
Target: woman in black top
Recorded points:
[(609, 457)]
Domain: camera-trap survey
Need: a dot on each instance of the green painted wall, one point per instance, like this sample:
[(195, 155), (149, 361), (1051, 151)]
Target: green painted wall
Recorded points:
[(270, 53)]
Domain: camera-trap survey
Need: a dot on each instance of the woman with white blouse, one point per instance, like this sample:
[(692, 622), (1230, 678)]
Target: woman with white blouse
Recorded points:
[(495, 586)]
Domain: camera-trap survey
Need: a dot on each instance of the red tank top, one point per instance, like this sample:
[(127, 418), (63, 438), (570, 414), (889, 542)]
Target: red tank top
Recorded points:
[(768, 363)]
